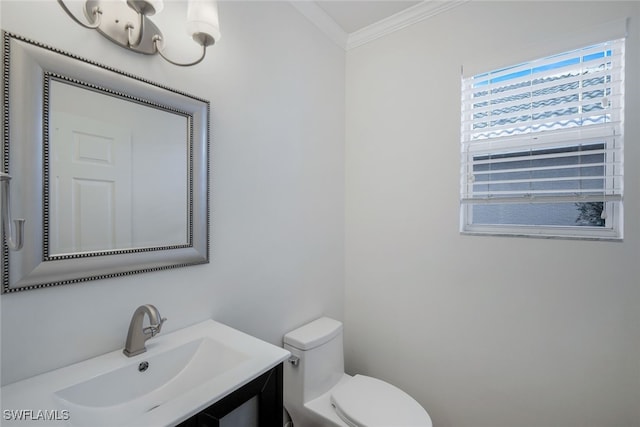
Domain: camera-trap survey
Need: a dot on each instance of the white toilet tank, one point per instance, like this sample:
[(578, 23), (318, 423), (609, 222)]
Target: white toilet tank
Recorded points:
[(320, 365)]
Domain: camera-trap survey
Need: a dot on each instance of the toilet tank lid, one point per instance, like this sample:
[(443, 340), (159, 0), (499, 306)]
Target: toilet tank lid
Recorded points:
[(313, 334)]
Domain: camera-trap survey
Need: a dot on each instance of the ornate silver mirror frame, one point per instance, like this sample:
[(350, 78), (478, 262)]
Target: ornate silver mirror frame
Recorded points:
[(29, 68)]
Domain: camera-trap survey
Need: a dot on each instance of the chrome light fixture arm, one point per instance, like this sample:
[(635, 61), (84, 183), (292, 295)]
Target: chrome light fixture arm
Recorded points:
[(133, 43), (14, 237), (157, 39), (97, 13)]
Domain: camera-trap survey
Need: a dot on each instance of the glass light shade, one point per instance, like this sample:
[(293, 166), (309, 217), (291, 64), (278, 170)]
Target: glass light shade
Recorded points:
[(202, 18), (158, 5)]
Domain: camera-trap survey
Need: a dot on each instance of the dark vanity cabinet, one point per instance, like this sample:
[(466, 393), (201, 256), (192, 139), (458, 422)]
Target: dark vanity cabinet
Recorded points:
[(266, 389)]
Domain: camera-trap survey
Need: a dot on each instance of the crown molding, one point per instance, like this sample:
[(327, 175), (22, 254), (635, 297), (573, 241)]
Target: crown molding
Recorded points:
[(324, 22), (400, 20)]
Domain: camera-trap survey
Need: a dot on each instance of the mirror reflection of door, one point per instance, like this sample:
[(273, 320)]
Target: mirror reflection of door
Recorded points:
[(122, 172), (90, 178)]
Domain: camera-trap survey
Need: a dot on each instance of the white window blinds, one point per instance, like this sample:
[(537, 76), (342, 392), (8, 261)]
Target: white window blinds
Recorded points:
[(546, 131)]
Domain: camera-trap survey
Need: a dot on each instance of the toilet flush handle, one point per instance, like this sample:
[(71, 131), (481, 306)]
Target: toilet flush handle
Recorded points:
[(294, 360)]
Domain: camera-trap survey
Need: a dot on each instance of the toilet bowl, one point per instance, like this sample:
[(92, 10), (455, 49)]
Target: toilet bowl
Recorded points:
[(318, 393)]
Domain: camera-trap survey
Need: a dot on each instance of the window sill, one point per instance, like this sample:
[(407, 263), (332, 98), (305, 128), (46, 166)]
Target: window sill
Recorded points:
[(565, 233)]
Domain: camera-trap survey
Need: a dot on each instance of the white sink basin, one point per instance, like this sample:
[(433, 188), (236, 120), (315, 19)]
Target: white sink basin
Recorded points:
[(112, 398), (181, 373)]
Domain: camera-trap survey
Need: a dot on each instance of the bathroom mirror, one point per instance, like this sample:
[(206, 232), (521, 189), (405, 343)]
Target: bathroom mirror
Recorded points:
[(109, 170)]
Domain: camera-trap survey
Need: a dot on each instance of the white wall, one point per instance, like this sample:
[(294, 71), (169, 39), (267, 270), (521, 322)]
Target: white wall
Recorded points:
[(276, 87), (483, 331), (526, 333)]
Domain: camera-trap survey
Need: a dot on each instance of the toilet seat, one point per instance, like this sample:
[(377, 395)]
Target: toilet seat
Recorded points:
[(366, 402)]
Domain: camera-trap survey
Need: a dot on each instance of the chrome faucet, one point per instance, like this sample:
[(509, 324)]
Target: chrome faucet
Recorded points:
[(137, 335)]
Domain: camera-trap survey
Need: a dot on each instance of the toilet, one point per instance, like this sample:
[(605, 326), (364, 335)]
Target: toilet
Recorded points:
[(318, 393)]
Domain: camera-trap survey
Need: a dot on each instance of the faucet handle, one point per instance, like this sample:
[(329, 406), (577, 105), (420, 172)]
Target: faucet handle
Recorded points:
[(162, 320), (153, 330)]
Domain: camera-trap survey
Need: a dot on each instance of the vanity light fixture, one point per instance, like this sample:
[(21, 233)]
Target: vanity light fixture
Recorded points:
[(127, 23)]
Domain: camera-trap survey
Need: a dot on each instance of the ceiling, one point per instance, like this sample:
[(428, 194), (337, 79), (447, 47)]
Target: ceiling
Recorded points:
[(354, 15)]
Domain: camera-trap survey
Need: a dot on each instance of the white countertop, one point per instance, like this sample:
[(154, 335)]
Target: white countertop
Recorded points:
[(34, 399)]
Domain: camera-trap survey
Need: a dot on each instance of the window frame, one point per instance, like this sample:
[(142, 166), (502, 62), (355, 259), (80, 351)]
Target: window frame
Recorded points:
[(613, 206)]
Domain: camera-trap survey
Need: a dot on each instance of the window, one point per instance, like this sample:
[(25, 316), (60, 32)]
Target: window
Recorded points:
[(542, 146)]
